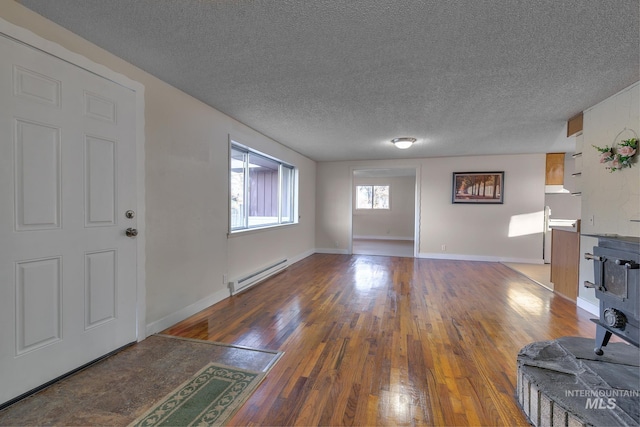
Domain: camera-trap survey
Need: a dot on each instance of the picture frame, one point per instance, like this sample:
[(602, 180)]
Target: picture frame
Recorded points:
[(480, 188)]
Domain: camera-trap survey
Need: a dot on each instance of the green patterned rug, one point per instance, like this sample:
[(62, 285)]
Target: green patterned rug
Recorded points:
[(209, 398)]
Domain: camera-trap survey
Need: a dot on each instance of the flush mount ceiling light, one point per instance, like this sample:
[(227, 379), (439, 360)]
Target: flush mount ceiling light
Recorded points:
[(403, 143)]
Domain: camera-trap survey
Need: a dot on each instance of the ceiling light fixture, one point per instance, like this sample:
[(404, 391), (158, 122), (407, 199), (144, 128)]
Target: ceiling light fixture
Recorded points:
[(403, 143)]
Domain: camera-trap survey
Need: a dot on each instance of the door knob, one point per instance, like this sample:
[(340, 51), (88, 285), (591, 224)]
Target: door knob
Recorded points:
[(131, 232)]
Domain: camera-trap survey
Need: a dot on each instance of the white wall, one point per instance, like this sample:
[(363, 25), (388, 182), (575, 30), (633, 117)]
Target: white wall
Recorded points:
[(610, 200), (395, 223), (333, 202), (186, 157), (511, 231), (479, 232)]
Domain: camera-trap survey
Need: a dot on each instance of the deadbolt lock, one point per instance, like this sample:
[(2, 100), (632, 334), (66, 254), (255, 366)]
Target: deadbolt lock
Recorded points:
[(129, 214)]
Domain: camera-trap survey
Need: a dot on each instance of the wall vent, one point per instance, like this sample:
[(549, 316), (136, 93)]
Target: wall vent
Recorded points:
[(245, 282)]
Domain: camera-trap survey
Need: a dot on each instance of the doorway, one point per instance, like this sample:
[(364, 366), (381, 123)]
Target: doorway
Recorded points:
[(383, 214)]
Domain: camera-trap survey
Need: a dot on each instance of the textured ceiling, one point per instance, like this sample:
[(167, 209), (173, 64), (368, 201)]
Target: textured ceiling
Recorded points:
[(337, 79)]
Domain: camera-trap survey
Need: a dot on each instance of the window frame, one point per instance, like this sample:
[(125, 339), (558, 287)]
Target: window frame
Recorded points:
[(291, 188), (372, 208)]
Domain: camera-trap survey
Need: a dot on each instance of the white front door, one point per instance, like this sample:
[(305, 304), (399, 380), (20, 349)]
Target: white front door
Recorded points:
[(67, 177)]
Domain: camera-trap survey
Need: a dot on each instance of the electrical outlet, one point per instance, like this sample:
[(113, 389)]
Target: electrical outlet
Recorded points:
[(224, 279), (592, 220), (444, 248)]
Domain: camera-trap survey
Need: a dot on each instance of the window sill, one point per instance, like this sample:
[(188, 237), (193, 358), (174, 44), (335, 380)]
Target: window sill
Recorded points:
[(245, 231)]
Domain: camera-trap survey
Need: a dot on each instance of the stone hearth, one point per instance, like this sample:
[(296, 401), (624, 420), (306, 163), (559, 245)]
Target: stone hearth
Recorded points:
[(563, 383)]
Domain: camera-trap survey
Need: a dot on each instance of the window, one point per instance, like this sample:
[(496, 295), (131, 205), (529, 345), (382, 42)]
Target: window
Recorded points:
[(262, 190), (372, 197)]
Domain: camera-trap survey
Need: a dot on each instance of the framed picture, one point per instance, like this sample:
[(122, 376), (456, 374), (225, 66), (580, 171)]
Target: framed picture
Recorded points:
[(478, 187)]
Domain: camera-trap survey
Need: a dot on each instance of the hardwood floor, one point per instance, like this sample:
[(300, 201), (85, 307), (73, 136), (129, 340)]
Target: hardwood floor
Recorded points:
[(372, 340), (539, 273)]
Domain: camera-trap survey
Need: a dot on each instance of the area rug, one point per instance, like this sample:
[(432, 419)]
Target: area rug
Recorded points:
[(208, 399), (122, 388)]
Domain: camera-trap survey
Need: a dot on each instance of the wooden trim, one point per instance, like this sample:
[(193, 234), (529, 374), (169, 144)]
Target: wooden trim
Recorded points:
[(574, 125)]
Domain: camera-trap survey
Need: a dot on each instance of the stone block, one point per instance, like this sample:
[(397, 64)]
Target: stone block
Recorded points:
[(519, 387), (534, 413), (525, 395), (574, 422), (559, 416), (546, 411)]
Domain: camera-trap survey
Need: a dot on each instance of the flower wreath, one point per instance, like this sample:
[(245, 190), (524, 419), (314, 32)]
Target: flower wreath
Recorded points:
[(621, 156)]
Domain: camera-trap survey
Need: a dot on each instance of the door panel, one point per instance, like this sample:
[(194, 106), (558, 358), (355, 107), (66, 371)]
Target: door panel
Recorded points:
[(37, 176), (100, 287), (100, 181), (67, 175), (38, 304)]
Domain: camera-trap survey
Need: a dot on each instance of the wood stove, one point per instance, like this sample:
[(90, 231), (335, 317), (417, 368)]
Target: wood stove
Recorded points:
[(616, 266)]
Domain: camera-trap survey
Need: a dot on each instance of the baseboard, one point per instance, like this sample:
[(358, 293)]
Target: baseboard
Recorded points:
[(588, 306), (180, 315), (385, 237), (301, 256), (454, 257), (463, 257), (332, 251), (190, 310), (524, 261)]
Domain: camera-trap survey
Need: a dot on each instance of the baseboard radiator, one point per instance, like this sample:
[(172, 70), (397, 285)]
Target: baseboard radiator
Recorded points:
[(243, 283)]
